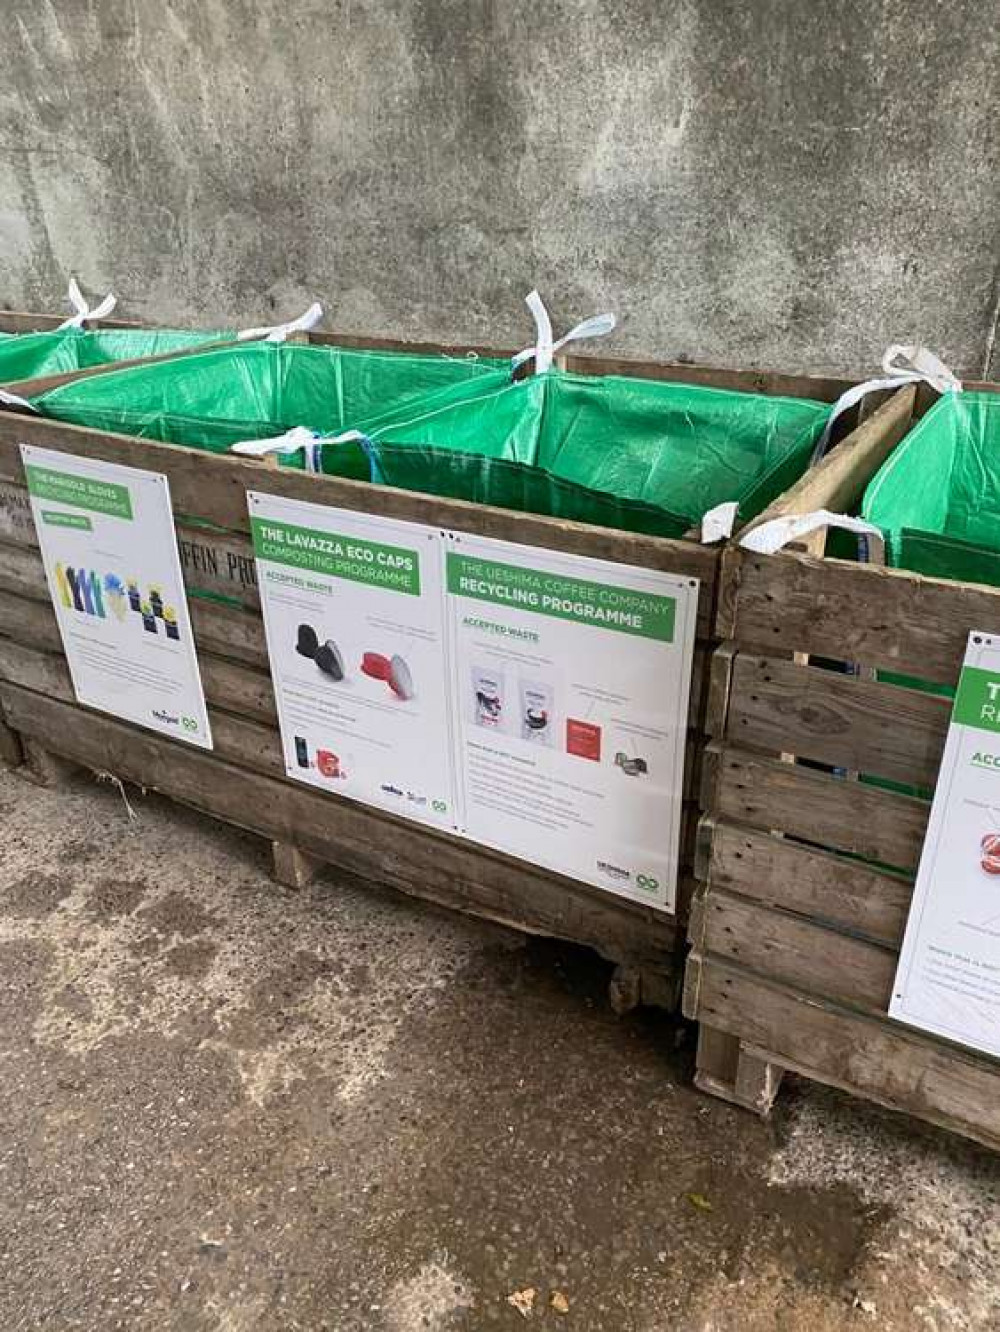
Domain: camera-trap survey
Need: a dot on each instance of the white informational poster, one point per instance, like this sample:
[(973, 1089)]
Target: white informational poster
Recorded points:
[(571, 679), (353, 610), (107, 541), (948, 979), (531, 701)]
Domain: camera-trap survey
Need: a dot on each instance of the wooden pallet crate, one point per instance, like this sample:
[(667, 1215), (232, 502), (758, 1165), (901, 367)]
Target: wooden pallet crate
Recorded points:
[(817, 786), (243, 780)]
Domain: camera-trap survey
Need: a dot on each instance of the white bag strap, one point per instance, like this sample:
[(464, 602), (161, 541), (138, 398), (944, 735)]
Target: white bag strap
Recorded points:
[(279, 332), (902, 364), (290, 442), (83, 310), (545, 349), (772, 536), (719, 522), (13, 400)]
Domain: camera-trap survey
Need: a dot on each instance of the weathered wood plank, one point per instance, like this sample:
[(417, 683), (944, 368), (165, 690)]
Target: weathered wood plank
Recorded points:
[(31, 647), (881, 729), (228, 630), (881, 1060), (213, 488), (798, 952), (776, 871), (360, 840), (818, 807), (820, 388), (887, 618)]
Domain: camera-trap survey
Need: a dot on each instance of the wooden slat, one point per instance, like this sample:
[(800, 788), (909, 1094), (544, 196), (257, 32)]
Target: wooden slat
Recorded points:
[(349, 835), (795, 951), (820, 388), (841, 720), (213, 488), (831, 812), (838, 482), (244, 693), (881, 1060), (777, 871), (887, 618)]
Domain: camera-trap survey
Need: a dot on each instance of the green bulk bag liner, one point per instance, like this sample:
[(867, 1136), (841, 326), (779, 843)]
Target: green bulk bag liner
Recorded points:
[(642, 455), (30, 355), (937, 497), (213, 399)]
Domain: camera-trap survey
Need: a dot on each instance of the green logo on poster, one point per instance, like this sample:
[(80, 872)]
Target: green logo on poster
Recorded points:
[(189, 723), (647, 883)]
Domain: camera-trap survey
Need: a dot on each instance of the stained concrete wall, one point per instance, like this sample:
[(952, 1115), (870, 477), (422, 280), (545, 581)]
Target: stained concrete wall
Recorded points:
[(772, 182)]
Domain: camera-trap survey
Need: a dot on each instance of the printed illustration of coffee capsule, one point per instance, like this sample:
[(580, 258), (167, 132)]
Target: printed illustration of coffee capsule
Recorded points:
[(329, 660), (631, 767), (375, 666), (63, 586), (74, 588), (301, 752), (328, 763), (156, 599), (95, 594), (400, 680), (86, 590), (307, 642), (148, 618), (170, 623), (134, 599), (990, 853)]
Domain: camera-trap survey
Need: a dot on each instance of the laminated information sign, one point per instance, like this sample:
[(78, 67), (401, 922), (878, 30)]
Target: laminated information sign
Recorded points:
[(107, 540), (355, 633), (570, 679), (948, 979), (528, 700)]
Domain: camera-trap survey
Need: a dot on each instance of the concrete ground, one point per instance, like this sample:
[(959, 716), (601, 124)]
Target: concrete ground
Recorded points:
[(225, 1107)]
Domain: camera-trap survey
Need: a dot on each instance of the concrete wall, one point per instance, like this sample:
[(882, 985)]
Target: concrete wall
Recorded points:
[(772, 182)]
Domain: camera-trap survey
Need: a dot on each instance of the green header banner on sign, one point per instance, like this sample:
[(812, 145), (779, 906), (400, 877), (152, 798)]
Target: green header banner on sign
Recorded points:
[(977, 701), (56, 518), (392, 567), (546, 593), (80, 491)]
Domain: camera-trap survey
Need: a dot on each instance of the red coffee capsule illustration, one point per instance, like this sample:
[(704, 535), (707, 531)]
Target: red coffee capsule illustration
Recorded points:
[(989, 848)]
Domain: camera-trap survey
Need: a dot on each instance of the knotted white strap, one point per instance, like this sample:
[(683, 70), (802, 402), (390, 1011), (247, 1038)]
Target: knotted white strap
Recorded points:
[(718, 523), (13, 400), (772, 536), (83, 310), (545, 349), (290, 442), (279, 332), (902, 364)]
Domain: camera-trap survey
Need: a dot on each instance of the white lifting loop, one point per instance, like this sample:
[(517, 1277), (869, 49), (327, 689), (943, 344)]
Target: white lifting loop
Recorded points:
[(83, 310)]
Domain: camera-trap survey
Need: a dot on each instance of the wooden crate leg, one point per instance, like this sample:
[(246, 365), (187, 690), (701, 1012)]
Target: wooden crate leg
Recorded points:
[(728, 1069), (43, 767), (293, 867), (11, 751), (625, 989)]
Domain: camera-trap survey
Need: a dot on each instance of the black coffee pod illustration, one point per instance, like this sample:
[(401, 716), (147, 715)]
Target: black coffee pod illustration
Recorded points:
[(329, 660), (631, 767), (536, 720), (307, 642)]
